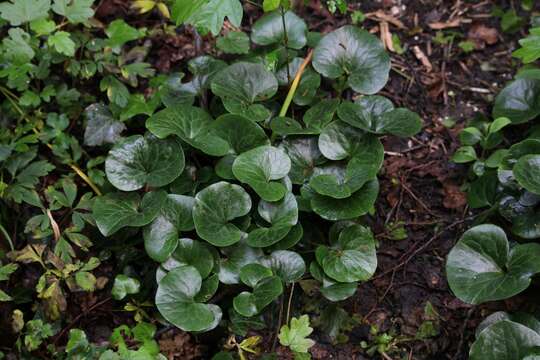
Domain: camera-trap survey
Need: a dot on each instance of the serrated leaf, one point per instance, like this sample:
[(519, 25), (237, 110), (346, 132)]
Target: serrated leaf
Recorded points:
[(295, 335)]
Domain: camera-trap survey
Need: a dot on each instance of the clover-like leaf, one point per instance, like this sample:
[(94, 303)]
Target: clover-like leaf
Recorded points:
[(161, 235), (241, 85), (192, 125), (351, 258), (124, 285), (215, 207), (260, 168), (355, 53), (264, 292), (175, 300), (281, 215), (139, 161), (527, 172), (269, 30), (358, 204), (377, 114), (482, 267), (114, 211), (101, 128), (288, 265), (504, 340), (339, 141), (519, 101)]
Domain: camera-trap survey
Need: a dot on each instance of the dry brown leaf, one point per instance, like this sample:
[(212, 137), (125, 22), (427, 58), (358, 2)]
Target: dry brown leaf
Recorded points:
[(386, 36), (380, 15), (422, 57), (482, 35), (445, 25)]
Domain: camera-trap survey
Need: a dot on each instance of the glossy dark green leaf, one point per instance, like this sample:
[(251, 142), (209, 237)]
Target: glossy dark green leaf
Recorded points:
[(269, 30), (267, 290), (292, 238), (527, 172), (174, 92), (242, 84), (355, 53), (358, 204), (260, 168), (234, 42), (240, 133), (321, 114), (192, 125), (339, 291), (114, 211), (482, 267), (281, 215), (161, 235), (504, 340), (305, 156), (102, 127), (175, 300), (193, 253), (252, 274), (237, 256), (519, 101), (522, 318), (352, 258), (139, 161), (213, 220), (288, 265), (339, 141)]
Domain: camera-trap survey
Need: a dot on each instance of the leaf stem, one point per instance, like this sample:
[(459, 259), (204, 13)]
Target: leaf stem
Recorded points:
[(8, 238), (294, 84), (289, 304), (86, 179), (286, 43)]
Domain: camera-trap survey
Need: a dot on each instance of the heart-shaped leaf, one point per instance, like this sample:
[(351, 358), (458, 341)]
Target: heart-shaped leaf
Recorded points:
[(114, 211), (352, 258), (339, 141), (252, 274), (192, 125), (243, 84), (305, 156), (260, 168), (358, 204), (331, 289), (191, 253), (504, 340), (520, 317), (522, 211), (265, 291), (240, 133), (288, 265), (237, 256), (213, 220), (269, 30), (161, 235), (175, 300), (355, 53), (482, 267), (282, 215), (101, 128), (527, 172), (139, 161), (519, 101), (377, 114)]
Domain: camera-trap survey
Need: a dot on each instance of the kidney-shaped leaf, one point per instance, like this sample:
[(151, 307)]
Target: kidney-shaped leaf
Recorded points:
[(269, 30), (215, 207), (504, 340), (519, 101), (355, 53), (101, 128), (175, 300), (527, 172), (305, 156), (237, 256), (377, 114), (192, 253), (352, 258), (482, 267), (260, 168), (144, 160), (265, 291), (281, 215), (114, 211), (191, 124), (288, 265), (161, 235), (240, 133)]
